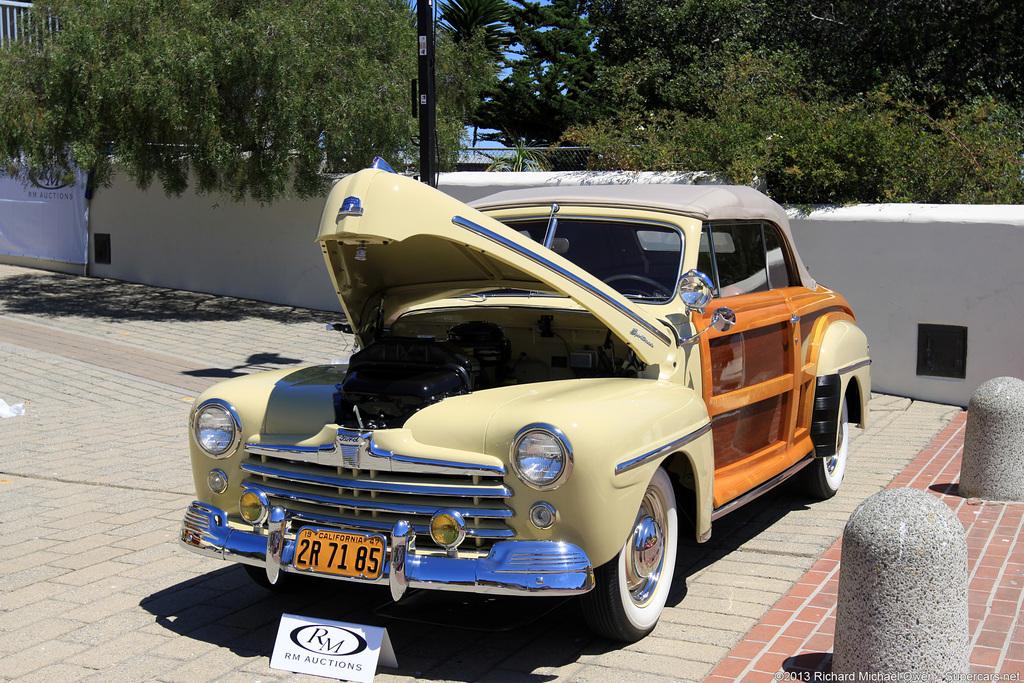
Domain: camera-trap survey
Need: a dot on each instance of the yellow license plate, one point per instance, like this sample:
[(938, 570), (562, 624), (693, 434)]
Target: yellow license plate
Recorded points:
[(342, 553)]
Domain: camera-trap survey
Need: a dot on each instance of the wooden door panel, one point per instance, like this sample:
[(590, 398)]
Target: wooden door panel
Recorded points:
[(750, 380)]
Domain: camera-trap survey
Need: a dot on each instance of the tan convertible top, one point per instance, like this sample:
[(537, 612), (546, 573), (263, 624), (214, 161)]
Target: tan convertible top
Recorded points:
[(706, 202)]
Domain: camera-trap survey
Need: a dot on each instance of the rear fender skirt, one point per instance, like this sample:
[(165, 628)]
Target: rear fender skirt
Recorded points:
[(828, 398)]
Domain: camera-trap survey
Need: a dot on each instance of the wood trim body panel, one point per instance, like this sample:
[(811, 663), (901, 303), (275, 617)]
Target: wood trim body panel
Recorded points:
[(759, 382)]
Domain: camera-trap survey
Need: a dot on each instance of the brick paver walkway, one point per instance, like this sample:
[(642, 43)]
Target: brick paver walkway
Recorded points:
[(94, 479), (793, 641)]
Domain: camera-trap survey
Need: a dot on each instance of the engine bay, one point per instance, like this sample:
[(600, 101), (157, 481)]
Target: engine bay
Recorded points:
[(427, 357)]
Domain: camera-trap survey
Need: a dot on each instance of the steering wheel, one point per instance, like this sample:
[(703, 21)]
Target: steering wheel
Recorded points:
[(656, 289)]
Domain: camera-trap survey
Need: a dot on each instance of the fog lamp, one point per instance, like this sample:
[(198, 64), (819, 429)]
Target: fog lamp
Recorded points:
[(218, 481), (542, 515), (254, 507), (448, 529)]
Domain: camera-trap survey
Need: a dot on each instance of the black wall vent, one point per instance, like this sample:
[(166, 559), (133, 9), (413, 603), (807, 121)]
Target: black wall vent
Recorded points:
[(941, 350), (101, 247)]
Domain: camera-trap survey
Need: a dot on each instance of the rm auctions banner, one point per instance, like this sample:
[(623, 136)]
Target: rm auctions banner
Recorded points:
[(41, 217)]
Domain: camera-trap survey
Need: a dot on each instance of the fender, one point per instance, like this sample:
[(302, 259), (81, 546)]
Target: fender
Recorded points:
[(843, 362), (620, 430)]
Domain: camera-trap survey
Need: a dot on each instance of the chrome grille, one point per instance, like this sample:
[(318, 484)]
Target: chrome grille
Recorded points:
[(372, 500)]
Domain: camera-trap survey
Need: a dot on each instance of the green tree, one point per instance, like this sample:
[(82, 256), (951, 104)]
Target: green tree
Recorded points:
[(549, 75), (764, 124), (250, 97), (937, 53), (821, 100), (658, 54), (461, 20)]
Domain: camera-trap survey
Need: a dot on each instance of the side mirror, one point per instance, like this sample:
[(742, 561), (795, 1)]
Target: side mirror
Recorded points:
[(696, 290), (723, 319)]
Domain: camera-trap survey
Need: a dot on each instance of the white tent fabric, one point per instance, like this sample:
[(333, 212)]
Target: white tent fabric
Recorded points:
[(44, 218)]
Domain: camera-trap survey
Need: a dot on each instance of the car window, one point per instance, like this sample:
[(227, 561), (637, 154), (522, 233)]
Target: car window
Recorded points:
[(780, 274), (739, 258), (640, 260), (744, 257)]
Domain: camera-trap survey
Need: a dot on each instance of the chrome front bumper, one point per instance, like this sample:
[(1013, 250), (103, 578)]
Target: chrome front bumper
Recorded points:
[(512, 567)]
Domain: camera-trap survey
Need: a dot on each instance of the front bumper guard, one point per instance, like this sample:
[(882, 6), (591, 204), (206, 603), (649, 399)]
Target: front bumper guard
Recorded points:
[(511, 567)]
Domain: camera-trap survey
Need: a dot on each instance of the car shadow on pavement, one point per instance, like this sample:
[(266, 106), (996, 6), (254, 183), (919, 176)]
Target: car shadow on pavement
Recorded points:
[(730, 533), (59, 295), (224, 608), (479, 633)]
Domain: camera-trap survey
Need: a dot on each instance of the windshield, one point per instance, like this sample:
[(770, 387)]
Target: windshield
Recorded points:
[(640, 260)]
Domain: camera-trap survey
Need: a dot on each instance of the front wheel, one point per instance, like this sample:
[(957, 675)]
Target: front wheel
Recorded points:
[(631, 589), (822, 478)]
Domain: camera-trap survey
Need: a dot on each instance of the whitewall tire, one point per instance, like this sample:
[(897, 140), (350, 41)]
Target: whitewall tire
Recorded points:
[(630, 591)]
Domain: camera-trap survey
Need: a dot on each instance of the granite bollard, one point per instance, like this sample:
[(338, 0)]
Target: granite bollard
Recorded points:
[(992, 467), (902, 603)]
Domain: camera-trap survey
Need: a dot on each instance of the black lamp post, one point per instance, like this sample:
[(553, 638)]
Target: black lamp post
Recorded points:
[(426, 98)]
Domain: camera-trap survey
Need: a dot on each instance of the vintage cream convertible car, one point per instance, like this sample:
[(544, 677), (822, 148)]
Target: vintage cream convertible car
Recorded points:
[(551, 387)]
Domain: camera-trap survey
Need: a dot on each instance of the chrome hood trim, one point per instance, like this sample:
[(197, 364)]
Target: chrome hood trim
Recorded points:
[(413, 245)]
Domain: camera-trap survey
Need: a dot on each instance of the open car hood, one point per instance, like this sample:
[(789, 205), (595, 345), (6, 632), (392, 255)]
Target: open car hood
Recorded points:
[(391, 242)]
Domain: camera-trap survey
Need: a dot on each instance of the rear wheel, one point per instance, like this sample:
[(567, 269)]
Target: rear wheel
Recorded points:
[(630, 590), (823, 477)]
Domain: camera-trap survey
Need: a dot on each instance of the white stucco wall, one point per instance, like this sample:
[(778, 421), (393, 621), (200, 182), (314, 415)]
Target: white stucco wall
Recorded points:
[(207, 243), (898, 265), (904, 264)]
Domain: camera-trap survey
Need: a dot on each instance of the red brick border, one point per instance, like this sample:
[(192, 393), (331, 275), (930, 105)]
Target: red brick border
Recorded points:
[(796, 635)]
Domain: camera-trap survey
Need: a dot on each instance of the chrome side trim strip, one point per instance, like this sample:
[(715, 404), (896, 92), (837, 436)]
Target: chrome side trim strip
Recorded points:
[(762, 489), (663, 450), (381, 486), (855, 366), (371, 505), (541, 260)]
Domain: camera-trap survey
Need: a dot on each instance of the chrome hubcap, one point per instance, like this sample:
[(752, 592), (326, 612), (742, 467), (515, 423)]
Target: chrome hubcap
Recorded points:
[(646, 549)]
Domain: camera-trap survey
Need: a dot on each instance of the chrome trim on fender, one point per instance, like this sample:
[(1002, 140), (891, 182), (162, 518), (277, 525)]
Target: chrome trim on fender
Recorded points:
[(541, 260), (855, 366), (663, 450), (511, 567)]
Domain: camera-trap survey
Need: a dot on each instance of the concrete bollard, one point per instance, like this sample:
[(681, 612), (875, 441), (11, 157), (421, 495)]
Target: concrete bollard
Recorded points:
[(903, 589), (992, 467)]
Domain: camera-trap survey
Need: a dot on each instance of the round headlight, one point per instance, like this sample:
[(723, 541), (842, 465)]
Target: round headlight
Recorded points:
[(541, 456), (216, 428)]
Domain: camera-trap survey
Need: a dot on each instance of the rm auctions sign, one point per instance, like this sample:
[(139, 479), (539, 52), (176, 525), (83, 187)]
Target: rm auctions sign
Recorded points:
[(44, 216), (332, 649)]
